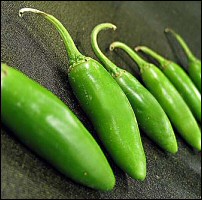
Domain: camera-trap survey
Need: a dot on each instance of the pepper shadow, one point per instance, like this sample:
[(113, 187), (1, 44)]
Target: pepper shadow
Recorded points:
[(177, 50)]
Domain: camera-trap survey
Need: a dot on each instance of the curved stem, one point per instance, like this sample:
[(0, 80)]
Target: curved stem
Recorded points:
[(182, 43), (110, 66), (150, 52), (71, 49), (141, 62)]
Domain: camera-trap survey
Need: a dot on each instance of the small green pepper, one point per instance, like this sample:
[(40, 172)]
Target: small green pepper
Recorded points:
[(168, 96), (180, 80), (194, 68), (150, 116), (104, 102), (48, 127)]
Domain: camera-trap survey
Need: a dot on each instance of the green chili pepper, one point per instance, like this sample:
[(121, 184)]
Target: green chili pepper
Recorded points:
[(104, 102), (180, 80), (150, 116), (168, 96), (46, 125), (194, 69)]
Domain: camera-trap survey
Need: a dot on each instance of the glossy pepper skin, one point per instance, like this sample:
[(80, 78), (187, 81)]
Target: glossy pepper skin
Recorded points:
[(169, 98), (48, 127), (104, 102), (180, 80), (194, 69), (150, 116)]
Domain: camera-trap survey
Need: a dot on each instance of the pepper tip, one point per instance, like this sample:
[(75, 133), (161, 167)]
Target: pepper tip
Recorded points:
[(138, 48), (111, 47), (22, 10), (114, 27), (20, 13), (167, 30)]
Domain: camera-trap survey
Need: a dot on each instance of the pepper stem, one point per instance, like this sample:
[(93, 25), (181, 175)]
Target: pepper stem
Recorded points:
[(141, 62), (72, 51), (182, 43), (110, 66), (150, 52)]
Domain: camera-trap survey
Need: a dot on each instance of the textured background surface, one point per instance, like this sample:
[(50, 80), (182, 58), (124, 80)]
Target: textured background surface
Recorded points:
[(32, 45)]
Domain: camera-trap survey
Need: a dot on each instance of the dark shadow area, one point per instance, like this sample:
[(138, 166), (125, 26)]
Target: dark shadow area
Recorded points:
[(177, 51)]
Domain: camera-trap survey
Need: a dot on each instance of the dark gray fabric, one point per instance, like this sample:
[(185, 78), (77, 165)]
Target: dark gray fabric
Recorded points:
[(32, 45)]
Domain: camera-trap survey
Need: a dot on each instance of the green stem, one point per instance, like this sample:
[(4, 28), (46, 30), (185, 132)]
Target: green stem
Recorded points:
[(110, 66), (72, 51), (150, 52), (182, 43), (141, 62)]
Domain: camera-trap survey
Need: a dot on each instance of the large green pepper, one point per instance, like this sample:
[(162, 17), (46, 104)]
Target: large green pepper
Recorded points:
[(47, 126)]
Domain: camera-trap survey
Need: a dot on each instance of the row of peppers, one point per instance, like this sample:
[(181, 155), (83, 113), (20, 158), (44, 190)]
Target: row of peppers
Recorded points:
[(115, 101)]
